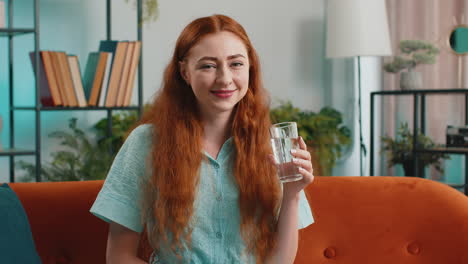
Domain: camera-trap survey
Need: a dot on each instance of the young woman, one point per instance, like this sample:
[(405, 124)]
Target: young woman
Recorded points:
[(197, 171)]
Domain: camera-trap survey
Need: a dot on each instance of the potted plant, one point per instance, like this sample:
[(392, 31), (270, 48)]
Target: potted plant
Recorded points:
[(414, 52), (323, 132), (80, 158), (150, 10), (400, 151), (84, 156)]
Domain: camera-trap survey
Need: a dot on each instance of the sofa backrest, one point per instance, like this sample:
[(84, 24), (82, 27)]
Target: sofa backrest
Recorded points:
[(385, 220), (63, 229), (357, 220)]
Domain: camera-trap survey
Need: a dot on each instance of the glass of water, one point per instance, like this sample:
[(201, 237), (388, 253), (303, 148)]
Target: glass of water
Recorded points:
[(284, 137)]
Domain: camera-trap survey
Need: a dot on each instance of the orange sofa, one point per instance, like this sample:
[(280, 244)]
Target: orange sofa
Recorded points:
[(361, 220)]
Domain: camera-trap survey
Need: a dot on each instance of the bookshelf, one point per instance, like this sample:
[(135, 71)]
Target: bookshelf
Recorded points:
[(11, 32), (419, 123)]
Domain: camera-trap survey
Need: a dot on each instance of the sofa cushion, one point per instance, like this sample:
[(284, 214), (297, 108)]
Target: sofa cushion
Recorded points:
[(16, 242)]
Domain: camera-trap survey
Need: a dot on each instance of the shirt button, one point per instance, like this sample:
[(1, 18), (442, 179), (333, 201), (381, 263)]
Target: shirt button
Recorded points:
[(219, 235), (219, 198)]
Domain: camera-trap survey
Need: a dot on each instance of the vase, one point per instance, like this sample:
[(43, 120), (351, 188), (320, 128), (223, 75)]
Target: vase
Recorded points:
[(410, 80), (408, 167)]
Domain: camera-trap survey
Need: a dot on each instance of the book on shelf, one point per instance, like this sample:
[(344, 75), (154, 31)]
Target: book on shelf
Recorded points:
[(108, 78), (46, 98), (52, 78), (60, 79), (119, 76), (124, 75), (133, 67), (105, 81), (118, 50), (68, 81), (77, 81), (90, 72), (98, 67)]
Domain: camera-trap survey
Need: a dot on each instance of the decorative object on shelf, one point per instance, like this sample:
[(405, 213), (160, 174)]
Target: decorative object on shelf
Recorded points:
[(351, 35), (323, 132), (457, 136), (2, 14), (414, 52), (400, 151), (458, 39), (150, 10), (458, 44)]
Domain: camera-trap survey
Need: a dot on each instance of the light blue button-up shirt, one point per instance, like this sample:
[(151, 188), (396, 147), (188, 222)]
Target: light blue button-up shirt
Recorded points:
[(216, 236)]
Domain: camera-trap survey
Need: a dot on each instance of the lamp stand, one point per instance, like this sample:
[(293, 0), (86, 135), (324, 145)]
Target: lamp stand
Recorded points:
[(362, 146)]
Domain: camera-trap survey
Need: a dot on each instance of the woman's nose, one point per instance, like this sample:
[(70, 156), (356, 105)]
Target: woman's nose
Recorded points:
[(224, 77)]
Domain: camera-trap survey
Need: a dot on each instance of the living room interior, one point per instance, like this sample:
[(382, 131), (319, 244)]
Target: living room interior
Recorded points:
[(378, 89)]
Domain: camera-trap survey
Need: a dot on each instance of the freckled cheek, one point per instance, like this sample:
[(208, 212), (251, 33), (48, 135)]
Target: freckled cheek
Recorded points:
[(242, 81), (204, 81)]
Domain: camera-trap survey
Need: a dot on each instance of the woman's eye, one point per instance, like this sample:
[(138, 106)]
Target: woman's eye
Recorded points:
[(207, 66), (237, 64)]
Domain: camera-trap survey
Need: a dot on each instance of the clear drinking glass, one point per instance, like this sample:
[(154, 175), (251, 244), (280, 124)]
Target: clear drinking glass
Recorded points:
[(284, 137)]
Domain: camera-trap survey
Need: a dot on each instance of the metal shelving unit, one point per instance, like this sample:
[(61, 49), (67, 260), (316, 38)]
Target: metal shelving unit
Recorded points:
[(419, 123), (10, 32)]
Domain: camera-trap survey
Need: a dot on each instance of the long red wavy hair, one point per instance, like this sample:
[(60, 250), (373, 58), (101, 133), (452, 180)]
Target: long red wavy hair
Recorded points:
[(176, 153)]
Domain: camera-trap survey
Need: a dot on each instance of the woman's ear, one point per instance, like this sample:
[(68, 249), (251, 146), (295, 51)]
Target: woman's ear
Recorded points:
[(183, 71)]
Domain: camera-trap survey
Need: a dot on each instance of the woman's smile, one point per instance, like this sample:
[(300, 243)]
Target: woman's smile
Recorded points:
[(223, 94)]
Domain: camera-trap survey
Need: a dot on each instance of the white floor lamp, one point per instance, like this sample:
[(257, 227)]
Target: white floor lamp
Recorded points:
[(357, 28)]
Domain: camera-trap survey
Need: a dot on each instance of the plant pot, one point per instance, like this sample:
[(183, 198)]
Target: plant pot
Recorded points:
[(411, 80), (409, 168)]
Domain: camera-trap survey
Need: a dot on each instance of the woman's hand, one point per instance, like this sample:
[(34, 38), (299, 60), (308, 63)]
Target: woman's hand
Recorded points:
[(302, 160)]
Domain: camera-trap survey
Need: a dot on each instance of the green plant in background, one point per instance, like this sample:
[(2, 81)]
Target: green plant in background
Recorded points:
[(121, 123), (82, 157), (323, 132), (414, 52), (150, 10), (400, 151), (85, 159)]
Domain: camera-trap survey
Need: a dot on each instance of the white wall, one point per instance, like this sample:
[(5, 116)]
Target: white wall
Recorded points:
[(287, 35)]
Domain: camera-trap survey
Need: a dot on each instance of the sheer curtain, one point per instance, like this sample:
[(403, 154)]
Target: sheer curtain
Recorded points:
[(433, 21)]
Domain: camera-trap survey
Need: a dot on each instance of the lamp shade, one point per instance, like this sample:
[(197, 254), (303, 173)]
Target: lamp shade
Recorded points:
[(357, 28)]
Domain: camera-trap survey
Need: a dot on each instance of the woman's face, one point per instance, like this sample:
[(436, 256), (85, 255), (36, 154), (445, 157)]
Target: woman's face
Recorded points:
[(217, 69)]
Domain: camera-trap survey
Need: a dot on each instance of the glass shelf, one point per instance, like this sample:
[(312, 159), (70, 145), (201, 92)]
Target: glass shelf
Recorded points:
[(422, 91), (16, 152), (448, 150), (7, 32), (60, 108)]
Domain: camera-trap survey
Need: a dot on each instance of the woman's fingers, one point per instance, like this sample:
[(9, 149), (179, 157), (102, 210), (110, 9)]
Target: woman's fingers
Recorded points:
[(305, 164), (307, 176), (301, 154), (302, 157), (302, 144)]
